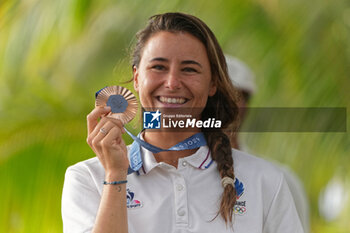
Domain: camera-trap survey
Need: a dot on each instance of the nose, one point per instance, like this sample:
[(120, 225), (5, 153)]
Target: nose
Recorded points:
[(173, 80)]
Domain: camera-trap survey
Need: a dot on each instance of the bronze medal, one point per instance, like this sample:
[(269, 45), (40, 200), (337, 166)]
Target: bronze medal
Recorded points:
[(122, 102)]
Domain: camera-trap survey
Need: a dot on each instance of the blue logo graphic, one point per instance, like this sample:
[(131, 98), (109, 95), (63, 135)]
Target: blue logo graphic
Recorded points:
[(239, 188), (130, 201), (151, 120)]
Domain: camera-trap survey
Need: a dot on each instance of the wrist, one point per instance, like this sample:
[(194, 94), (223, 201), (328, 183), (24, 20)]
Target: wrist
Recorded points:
[(115, 176), (119, 182)]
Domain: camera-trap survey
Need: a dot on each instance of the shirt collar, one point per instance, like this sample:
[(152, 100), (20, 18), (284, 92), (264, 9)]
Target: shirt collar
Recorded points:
[(201, 159)]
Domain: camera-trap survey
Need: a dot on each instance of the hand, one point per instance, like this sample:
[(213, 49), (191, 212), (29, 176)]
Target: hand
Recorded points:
[(105, 139)]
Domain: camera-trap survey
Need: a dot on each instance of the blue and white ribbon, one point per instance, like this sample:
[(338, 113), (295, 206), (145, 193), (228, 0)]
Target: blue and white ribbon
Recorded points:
[(195, 141)]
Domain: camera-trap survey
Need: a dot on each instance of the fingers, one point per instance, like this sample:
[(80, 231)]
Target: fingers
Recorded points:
[(113, 144), (95, 115), (105, 139), (110, 148), (101, 130), (113, 139), (103, 122)]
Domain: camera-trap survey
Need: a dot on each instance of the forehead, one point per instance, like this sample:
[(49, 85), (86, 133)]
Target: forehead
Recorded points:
[(175, 46)]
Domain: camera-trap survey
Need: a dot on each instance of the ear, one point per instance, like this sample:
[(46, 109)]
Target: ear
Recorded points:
[(212, 89), (136, 78)]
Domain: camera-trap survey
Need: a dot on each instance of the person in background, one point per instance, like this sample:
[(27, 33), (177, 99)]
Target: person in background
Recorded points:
[(243, 79)]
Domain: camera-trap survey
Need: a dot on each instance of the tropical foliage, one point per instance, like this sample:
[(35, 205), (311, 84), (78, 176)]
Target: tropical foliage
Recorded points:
[(54, 55)]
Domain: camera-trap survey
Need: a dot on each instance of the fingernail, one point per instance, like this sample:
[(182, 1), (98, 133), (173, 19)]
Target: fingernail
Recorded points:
[(107, 108)]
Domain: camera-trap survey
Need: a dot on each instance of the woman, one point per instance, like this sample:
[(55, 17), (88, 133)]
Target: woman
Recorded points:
[(177, 64)]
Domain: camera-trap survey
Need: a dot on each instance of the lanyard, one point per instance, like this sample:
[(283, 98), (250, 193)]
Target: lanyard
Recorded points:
[(195, 141)]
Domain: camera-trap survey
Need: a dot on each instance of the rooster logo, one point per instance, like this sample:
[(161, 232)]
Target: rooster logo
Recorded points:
[(130, 202)]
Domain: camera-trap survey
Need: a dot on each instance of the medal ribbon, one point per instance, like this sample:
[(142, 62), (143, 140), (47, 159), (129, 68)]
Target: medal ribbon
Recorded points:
[(195, 141)]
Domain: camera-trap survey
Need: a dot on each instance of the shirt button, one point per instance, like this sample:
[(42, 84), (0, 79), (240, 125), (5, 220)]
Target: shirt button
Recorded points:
[(179, 187), (181, 212), (184, 163)]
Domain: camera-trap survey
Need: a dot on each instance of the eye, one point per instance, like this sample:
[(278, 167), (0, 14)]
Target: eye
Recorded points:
[(190, 70), (158, 67)]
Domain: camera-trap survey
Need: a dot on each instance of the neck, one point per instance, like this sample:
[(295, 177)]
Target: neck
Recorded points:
[(166, 140)]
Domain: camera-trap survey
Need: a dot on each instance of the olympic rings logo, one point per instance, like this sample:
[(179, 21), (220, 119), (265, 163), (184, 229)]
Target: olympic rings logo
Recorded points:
[(239, 209)]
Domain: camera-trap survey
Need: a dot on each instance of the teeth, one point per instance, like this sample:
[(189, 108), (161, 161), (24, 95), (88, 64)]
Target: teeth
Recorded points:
[(172, 100)]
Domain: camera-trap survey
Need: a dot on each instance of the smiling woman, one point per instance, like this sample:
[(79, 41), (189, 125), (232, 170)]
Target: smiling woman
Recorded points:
[(174, 72), (177, 64)]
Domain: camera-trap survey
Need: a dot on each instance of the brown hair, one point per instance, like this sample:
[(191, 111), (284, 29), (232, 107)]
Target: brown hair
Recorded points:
[(222, 106)]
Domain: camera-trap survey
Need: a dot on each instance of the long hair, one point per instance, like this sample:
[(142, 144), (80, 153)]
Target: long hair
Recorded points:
[(222, 106)]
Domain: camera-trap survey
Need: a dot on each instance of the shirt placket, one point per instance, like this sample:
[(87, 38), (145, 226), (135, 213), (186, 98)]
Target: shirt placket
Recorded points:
[(180, 191)]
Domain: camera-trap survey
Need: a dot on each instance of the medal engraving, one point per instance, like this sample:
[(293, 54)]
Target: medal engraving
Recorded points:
[(123, 102), (117, 103)]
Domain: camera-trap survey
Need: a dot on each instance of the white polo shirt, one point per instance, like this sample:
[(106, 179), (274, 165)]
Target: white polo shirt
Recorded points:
[(163, 199)]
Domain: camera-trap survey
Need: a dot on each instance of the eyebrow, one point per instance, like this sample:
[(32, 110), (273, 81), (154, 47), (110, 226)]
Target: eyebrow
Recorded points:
[(159, 59), (183, 62), (191, 62)]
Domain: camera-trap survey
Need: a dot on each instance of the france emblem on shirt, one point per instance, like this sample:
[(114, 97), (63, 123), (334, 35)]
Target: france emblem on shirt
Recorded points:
[(240, 207), (151, 120), (131, 202)]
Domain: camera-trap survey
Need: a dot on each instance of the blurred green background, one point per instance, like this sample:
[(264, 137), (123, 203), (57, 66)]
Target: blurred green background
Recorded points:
[(55, 54)]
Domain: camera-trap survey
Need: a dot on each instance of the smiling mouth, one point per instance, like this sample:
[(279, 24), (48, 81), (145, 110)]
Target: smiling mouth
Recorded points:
[(172, 100)]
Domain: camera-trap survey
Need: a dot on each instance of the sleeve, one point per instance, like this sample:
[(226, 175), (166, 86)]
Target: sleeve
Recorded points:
[(282, 215), (80, 201), (299, 196)]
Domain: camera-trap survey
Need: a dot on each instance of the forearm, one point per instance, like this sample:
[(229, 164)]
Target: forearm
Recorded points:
[(105, 139), (112, 213)]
